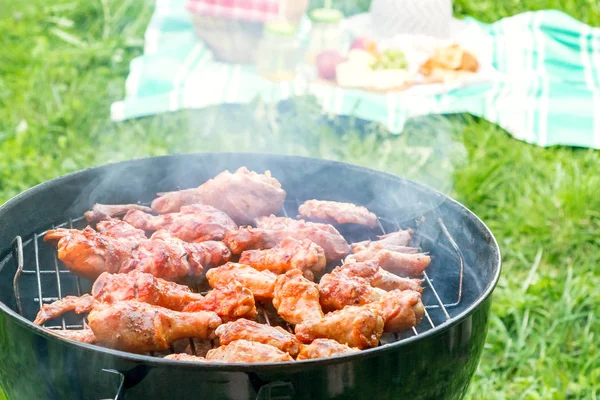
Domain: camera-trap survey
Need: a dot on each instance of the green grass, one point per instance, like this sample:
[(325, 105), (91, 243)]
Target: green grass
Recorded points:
[(64, 61)]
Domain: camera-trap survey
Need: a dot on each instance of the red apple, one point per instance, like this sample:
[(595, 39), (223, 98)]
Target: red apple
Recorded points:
[(327, 62)]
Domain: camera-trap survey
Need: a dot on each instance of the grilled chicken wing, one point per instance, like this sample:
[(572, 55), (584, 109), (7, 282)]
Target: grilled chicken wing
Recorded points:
[(230, 302), (260, 283), (402, 264), (88, 253), (394, 240), (253, 331), (289, 254), (243, 195), (321, 348), (111, 288), (194, 223), (378, 277), (244, 351), (401, 309), (184, 357), (173, 259), (337, 212), (295, 298), (117, 229), (106, 211), (81, 335), (358, 327), (340, 290), (272, 230), (140, 327)]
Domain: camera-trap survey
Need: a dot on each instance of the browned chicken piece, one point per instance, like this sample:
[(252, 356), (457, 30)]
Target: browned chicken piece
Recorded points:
[(126, 233), (401, 309), (194, 223), (260, 283), (184, 357), (296, 299), (354, 326), (245, 351), (106, 211), (88, 253), (140, 327), (172, 259), (243, 329), (50, 311), (379, 277), (337, 212), (111, 288), (321, 348), (340, 290), (399, 239), (230, 302), (289, 254), (243, 195), (81, 335), (247, 238), (402, 264)]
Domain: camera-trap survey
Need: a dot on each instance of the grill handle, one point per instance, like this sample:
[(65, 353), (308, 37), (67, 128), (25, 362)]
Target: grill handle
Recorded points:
[(278, 390), (120, 395)]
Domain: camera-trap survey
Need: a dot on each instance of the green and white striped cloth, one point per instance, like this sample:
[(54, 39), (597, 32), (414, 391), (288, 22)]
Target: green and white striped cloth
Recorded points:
[(548, 94)]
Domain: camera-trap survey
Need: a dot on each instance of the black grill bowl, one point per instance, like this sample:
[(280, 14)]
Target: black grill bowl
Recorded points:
[(436, 361)]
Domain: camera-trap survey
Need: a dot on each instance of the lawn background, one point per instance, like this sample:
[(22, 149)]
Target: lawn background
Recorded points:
[(64, 61)]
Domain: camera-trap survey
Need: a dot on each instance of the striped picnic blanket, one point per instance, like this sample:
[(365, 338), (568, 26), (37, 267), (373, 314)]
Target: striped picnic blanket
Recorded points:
[(548, 93)]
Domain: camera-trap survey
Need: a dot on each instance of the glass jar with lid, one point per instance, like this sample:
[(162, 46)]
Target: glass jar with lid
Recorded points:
[(326, 32), (278, 52)]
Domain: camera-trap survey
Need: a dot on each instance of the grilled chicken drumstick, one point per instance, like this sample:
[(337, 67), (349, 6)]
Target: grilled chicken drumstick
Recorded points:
[(118, 229), (358, 327), (401, 309), (289, 254), (260, 283), (295, 298), (379, 277), (243, 195), (106, 211), (340, 290), (253, 331), (321, 348), (194, 223), (394, 240), (402, 264), (230, 302), (245, 351), (337, 212), (140, 327)]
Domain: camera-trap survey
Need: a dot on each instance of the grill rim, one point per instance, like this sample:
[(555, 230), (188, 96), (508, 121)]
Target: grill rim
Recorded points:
[(257, 367)]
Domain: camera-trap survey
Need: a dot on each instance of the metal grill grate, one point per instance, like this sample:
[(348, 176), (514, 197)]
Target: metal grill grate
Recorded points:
[(59, 273)]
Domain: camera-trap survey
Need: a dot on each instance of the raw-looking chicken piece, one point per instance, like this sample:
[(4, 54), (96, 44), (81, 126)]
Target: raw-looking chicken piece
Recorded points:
[(194, 223), (106, 211), (339, 290), (243, 195), (173, 259), (140, 327), (401, 309), (82, 335), (243, 329), (395, 239), (296, 299), (117, 229), (184, 357), (230, 302), (247, 238), (353, 326), (337, 212), (402, 264), (289, 254), (88, 253), (111, 288), (321, 348), (260, 283), (379, 277), (245, 351)]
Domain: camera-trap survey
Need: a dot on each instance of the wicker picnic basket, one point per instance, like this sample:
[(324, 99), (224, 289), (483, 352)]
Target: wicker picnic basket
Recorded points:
[(233, 28)]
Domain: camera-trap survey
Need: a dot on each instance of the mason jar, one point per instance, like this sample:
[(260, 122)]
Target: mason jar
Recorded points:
[(326, 32), (279, 52)]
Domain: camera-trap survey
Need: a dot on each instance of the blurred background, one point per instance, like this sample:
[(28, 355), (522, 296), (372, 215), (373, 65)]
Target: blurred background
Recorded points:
[(64, 62)]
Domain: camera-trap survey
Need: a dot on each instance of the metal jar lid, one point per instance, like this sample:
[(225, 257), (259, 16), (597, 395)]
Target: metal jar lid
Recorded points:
[(326, 15)]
